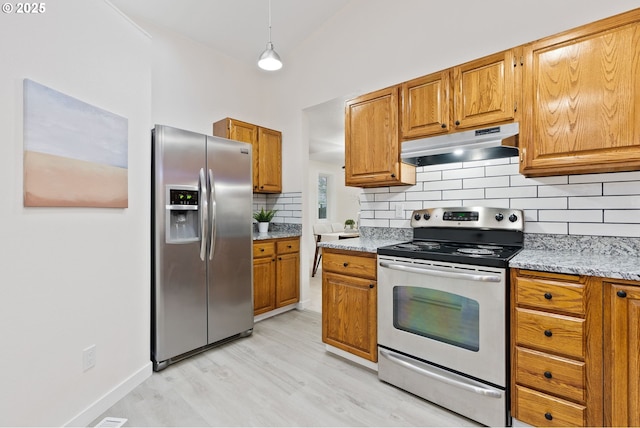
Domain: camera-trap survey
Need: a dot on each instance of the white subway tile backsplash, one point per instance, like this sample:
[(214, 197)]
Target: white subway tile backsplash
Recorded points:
[(605, 229), (424, 196), (539, 203), (463, 194), (544, 227), (521, 180), (591, 204), (463, 173), (603, 178), (428, 176), (498, 203), (621, 188), (588, 189), (604, 202), (382, 197), (574, 216), (472, 183), (622, 216), (508, 169), (512, 192), (443, 185)]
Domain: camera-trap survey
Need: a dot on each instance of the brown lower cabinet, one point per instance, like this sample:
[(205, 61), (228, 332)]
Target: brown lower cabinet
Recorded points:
[(276, 274), (574, 354), (349, 302)]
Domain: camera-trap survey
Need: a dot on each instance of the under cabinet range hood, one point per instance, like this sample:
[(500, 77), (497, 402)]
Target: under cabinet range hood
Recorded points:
[(478, 144)]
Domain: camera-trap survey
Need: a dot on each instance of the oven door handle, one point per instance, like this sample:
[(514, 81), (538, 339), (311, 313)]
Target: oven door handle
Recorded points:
[(440, 273), (400, 360)]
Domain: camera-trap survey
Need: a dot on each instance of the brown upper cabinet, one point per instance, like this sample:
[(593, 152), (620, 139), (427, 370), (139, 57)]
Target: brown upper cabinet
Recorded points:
[(471, 95), (372, 141), (267, 151), (582, 100)]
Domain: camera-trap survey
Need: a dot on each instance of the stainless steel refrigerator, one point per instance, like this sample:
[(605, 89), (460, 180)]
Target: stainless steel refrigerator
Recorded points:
[(201, 221)]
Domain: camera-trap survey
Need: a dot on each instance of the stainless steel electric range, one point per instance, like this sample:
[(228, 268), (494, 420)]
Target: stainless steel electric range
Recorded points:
[(443, 309)]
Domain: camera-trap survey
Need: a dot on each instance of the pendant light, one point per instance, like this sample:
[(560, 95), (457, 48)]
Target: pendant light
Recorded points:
[(269, 60)]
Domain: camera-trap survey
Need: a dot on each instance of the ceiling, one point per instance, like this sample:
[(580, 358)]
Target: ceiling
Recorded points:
[(240, 30)]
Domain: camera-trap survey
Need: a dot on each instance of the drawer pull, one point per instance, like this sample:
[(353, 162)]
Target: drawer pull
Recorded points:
[(262, 250), (370, 285), (621, 293), (548, 416), (548, 333), (345, 264), (547, 295), (548, 375), (288, 246)]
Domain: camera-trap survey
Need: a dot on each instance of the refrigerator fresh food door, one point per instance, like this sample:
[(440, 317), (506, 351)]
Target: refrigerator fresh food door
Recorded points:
[(230, 264), (179, 294)]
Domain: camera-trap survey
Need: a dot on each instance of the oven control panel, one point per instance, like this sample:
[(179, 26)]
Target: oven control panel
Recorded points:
[(469, 217)]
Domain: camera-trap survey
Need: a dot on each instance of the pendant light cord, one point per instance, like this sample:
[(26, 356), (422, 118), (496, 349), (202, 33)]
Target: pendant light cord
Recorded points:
[(269, 21)]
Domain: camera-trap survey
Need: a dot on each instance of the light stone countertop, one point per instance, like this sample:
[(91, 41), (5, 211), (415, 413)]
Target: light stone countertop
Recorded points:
[(275, 235), (579, 263), (366, 245)]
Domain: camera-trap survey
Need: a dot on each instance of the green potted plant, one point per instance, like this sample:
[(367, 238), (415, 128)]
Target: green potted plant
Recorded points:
[(263, 218), (349, 223)]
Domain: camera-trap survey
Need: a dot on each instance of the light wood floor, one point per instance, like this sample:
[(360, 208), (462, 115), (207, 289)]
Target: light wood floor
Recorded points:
[(279, 376)]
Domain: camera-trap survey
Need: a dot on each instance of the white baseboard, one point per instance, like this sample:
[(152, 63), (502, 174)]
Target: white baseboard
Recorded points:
[(101, 405), (274, 312)]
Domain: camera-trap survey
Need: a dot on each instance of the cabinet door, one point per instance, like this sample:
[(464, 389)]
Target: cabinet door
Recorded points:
[(484, 90), (582, 97), (425, 105), (269, 167), (264, 280), (288, 279), (245, 132), (349, 306), (372, 141), (622, 355)]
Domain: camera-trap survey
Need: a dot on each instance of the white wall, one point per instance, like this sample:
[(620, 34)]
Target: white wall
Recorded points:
[(72, 277)]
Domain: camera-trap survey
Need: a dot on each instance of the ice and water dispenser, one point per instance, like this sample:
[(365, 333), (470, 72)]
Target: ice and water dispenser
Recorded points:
[(182, 220)]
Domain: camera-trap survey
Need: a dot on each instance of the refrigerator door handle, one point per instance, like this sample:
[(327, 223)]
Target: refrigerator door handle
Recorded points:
[(212, 196), (204, 214)]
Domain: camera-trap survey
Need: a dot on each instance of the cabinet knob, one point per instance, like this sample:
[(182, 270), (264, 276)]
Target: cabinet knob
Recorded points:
[(262, 187), (444, 125), (393, 176), (262, 249), (621, 293), (548, 296), (548, 416), (548, 375), (288, 246), (370, 285), (345, 264), (457, 122), (548, 333), (279, 258)]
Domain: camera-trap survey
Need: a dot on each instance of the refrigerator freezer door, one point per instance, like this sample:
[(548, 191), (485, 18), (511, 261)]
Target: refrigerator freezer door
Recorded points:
[(179, 295), (230, 265)]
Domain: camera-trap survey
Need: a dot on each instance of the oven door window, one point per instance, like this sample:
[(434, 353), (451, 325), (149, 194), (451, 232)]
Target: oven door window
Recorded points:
[(438, 315)]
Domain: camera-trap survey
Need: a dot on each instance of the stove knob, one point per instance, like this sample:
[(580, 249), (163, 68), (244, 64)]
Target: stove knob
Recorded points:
[(499, 217), (417, 217), (426, 216), (513, 218)]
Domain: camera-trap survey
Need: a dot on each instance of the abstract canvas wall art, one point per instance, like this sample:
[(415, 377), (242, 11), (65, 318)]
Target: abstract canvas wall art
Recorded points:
[(75, 154)]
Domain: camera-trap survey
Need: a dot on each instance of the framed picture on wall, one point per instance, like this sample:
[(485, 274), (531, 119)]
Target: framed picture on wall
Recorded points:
[(75, 154)]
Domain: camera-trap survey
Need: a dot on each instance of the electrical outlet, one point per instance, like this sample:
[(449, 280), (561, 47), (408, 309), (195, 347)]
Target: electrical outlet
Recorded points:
[(88, 357), (399, 210)]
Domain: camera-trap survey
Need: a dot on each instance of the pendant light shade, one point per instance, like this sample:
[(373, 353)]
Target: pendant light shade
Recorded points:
[(269, 59)]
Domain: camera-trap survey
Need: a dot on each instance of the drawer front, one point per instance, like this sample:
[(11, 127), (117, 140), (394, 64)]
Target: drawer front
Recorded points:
[(539, 409), (288, 246), (551, 296), (557, 334), (263, 249), (558, 376), (351, 265)]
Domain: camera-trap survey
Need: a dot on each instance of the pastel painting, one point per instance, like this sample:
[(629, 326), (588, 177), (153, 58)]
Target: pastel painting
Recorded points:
[(75, 154)]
